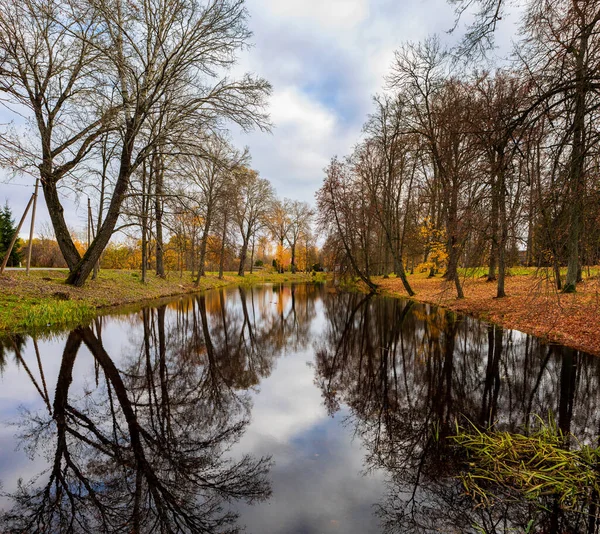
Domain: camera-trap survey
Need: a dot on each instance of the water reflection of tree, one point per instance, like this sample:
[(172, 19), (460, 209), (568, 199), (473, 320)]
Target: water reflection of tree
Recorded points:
[(143, 449), (10, 344), (408, 372), (144, 452), (244, 330)]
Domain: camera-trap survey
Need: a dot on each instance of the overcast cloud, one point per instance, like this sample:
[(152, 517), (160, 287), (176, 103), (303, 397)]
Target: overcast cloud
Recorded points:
[(325, 60)]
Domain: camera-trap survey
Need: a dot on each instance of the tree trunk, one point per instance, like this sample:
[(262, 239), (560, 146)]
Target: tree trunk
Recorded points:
[(503, 227), (158, 213), (80, 272), (203, 245), (144, 254), (401, 273), (61, 231), (222, 255), (293, 264), (576, 170), (453, 245), (494, 231), (243, 255), (144, 221)]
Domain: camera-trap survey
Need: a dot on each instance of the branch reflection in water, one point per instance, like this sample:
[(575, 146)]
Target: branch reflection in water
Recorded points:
[(144, 449), (146, 444), (409, 372)]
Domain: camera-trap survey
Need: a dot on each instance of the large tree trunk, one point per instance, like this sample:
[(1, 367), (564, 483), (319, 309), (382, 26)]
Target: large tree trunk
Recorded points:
[(503, 228), (576, 171), (144, 253), (243, 255), (494, 231), (144, 223), (293, 264), (61, 231), (222, 255), (401, 273), (453, 243), (203, 245)]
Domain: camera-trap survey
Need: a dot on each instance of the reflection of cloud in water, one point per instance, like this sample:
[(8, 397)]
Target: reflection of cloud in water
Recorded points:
[(316, 478), (342, 391), (288, 403), (317, 485)]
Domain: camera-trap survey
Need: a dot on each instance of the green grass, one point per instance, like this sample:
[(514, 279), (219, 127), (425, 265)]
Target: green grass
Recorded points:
[(534, 465), (57, 314)]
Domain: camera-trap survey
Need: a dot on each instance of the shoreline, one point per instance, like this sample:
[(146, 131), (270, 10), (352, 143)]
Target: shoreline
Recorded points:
[(532, 306), (42, 302)]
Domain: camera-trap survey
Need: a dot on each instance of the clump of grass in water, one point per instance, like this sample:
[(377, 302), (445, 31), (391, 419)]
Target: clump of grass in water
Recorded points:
[(536, 466), (58, 313)]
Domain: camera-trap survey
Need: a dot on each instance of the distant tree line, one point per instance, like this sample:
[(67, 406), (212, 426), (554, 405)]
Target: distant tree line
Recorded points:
[(460, 168), (278, 236)]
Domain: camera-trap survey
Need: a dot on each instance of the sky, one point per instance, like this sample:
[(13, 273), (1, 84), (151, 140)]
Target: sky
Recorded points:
[(325, 60)]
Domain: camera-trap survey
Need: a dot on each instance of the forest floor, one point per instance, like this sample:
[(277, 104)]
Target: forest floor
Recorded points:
[(43, 300), (532, 305)]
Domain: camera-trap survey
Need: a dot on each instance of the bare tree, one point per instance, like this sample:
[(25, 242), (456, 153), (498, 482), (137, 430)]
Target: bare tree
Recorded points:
[(300, 216), (210, 171), (91, 67), (250, 207)]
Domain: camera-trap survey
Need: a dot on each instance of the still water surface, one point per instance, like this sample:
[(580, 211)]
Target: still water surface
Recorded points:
[(284, 409)]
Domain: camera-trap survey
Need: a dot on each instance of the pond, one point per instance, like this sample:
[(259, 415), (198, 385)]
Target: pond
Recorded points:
[(281, 409)]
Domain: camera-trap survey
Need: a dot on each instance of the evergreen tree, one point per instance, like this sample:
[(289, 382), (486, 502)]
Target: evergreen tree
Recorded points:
[(7, 231)]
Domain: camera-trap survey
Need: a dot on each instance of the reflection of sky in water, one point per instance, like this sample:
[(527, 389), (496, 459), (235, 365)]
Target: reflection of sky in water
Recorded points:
[(398, 371), (317, 476), (317, 482)]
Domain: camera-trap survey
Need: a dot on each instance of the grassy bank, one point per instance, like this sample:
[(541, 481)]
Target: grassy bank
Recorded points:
[(533, 305), (43, 300)]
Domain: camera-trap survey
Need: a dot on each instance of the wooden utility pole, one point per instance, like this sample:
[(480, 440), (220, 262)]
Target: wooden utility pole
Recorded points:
[(35, 194), (92, 233), (89, 223), (15, 237)]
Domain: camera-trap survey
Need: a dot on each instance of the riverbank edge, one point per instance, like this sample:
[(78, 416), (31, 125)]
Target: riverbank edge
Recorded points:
[(43, 303), (553, 334)]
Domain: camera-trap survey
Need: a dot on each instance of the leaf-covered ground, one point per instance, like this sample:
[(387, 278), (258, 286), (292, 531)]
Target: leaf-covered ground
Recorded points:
[(532, 305)]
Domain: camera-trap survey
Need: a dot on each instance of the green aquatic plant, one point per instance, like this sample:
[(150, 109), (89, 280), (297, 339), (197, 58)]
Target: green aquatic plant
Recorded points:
[(543, 463)]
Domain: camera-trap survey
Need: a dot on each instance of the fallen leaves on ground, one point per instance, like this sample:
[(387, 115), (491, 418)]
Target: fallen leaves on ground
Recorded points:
[(532, 305)]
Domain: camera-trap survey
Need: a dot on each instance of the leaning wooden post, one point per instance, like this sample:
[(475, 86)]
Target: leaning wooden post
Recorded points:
[(35, 194), (88, 223), (14, 239)]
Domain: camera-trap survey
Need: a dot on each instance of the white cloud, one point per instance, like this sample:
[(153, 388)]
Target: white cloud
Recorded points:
[(306, 135), (338, 14), (325, 59)]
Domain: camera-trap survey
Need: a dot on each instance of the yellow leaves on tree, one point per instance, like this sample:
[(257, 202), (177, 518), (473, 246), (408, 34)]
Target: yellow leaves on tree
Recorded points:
[(436, 255)]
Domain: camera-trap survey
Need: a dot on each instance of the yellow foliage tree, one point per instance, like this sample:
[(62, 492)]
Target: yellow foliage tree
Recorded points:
[(436, 255)]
